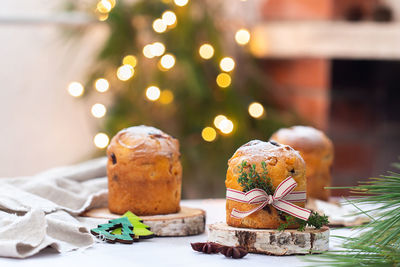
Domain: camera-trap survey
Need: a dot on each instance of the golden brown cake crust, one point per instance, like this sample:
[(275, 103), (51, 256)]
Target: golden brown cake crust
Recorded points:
[(144, 172), (317, 151), (281, 161)]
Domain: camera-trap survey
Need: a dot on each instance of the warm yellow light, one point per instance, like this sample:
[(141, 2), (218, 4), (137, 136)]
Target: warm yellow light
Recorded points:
[(159, 26), (181, 2), (125, 72), (226, 126), (112, 2), (167, 61), (129, 60), (256, 110), (169, 18), (157, 49), (227, 64), (223, 80), (209, 134), (242, 36), (102, 16), (206, 51), (101, 85), (101, 140), (153, 93), (75, 89), (98, 110), (218, 119), (104, 6), (147, 51), (166, 97)]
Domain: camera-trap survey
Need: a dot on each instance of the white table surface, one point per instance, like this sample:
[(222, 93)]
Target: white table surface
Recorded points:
[(162, 251)]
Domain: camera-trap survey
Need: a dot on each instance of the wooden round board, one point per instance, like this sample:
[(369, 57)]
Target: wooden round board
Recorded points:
[(188, 221), (271, 241)]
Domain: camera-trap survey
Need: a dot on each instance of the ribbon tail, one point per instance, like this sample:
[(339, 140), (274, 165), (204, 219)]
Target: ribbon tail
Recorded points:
[(241, 214), (292, 209)]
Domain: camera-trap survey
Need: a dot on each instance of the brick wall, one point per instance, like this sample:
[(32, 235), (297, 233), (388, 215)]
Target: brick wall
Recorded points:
[(306, 86)]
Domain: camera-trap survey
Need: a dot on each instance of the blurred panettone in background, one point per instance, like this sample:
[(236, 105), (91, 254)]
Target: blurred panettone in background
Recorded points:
[(317, 151)]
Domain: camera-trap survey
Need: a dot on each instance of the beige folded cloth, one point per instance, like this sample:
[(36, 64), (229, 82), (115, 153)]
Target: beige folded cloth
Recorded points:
[(42, 210)]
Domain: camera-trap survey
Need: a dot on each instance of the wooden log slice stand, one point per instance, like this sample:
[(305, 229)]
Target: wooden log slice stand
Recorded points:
[(271, 241)]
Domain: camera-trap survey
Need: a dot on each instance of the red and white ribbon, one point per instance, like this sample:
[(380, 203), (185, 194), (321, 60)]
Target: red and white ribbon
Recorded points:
[(281, 200)]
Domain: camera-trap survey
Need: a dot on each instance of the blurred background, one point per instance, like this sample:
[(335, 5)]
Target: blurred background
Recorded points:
[(214, 74)]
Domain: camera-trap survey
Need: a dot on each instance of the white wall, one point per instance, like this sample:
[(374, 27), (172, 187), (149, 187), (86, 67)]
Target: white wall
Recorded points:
[(41, 126)]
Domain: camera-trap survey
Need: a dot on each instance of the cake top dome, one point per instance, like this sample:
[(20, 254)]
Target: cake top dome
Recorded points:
[(145, 140), (281, 161), (304, 138)]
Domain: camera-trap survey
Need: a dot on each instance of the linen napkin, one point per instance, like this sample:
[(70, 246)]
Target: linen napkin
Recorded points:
[(42, 210)]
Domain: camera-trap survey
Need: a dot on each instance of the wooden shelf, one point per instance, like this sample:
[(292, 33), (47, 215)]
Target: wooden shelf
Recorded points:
[(364, 40)]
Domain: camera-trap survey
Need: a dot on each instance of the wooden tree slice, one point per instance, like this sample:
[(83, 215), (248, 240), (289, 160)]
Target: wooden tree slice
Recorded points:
[(271, 241), (188, 221)]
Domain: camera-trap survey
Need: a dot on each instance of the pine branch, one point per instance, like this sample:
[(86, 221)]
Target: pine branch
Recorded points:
[(378, 243)]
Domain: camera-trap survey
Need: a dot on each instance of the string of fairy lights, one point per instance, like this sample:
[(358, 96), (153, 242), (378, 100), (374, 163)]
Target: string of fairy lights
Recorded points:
[(222, 124)]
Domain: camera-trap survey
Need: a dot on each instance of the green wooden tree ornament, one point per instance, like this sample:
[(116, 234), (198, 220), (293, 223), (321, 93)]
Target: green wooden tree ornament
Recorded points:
[(141, 230), (125, 235)]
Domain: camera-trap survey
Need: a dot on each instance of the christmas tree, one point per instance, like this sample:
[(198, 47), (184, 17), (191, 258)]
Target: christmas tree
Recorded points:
[(140, 229), (124, 235), (167, 64)]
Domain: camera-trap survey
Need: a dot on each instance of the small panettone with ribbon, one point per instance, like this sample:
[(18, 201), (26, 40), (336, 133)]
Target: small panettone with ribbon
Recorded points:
[(265, 182)]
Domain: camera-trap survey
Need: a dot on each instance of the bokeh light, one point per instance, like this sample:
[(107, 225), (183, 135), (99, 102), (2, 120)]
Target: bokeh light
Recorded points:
[(218, 119), (101, 140), (125, 72), (102, 16), (181, 2), (226, 126), (209, 134), (166, 97), (129, 60), (256, 110), (147, 51), (104, 6), (75, 89), (101, 85), (112, 2), (157, 49), (167, 61), (153, 93), (206, 51), (224, 80), (98, 110), (159, 26), (169, 18), (242, 36), (227, 64)]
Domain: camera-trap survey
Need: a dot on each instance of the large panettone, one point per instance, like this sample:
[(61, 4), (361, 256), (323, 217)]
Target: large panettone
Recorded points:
[(281, 162), (144, 172), (317, 151)]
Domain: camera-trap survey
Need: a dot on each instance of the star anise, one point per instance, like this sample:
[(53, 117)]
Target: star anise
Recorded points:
[(233, 252), (208, 247)]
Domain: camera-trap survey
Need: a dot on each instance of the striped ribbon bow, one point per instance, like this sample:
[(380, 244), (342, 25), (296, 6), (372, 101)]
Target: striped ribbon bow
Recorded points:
[(281, 200)]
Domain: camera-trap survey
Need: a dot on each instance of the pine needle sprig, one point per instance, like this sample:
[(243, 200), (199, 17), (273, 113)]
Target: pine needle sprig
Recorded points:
[(249, 178), (378, 242), (315, 220)]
